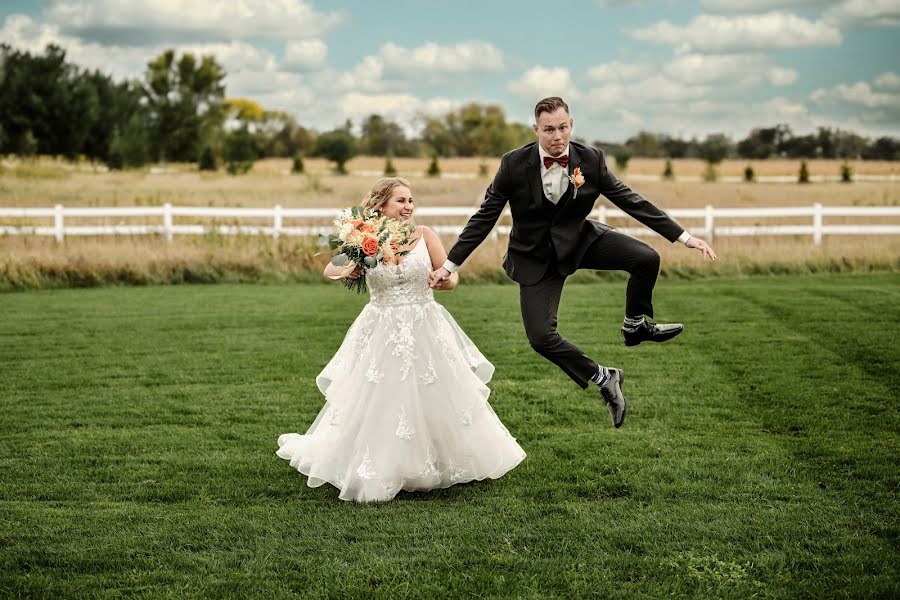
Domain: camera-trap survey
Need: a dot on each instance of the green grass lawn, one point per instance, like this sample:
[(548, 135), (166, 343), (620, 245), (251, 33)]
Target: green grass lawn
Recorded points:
[(759, 457)]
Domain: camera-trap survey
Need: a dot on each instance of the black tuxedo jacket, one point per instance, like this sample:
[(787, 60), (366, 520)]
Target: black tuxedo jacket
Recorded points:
[(540, 237)]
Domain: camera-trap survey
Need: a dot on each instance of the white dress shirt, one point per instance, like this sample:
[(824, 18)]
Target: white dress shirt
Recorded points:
[(555, 179)]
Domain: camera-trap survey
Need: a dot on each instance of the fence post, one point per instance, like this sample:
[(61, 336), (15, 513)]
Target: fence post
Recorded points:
[(276, 231), (709, 222), (601, 216), (167, 221), (58, 223), (817, 223)]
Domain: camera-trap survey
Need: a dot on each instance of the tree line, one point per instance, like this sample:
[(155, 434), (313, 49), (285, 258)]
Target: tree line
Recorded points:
[(179, 112)]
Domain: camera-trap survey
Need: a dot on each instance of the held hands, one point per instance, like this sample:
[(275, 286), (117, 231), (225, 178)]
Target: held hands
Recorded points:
[(437, 277), (702, 247)]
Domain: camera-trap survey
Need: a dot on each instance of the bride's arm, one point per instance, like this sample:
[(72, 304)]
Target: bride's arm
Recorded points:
[(438, 256)]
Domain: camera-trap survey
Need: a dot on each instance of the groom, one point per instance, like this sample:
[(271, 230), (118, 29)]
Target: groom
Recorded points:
[(551, 186)]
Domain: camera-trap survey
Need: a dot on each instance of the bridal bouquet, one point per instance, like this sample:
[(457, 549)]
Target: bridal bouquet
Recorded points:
[(365, 238)]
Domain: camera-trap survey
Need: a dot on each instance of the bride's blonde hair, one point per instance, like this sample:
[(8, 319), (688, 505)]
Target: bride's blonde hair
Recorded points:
[(382, 190)]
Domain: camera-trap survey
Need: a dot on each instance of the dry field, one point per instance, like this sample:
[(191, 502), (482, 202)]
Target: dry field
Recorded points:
[(40, 262)]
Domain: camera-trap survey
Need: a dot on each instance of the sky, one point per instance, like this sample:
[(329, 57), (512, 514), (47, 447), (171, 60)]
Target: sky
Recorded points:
[(676, 67)]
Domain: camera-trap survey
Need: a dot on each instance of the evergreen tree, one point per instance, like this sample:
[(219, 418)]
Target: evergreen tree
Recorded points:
[(434, 169), (749, 175), (297, 166), (803, 176), (668, 173)]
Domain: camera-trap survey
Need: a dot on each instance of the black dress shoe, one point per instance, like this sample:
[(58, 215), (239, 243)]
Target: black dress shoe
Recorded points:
[(611, 393), (651, 332)]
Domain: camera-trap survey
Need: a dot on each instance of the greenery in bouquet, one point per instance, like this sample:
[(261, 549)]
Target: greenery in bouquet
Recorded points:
[(364, 238)]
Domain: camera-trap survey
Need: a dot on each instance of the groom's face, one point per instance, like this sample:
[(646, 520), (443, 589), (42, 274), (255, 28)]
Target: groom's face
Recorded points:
[(553, 131)]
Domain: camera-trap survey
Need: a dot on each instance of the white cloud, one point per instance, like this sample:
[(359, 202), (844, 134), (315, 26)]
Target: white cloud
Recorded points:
[(780, 76), (404, 109), (540, 82), (755, 6), (618, 71), (716, 34), (305, 55), (860, 94), (865, 13), (877, 104), (888, 81), (142, 22), (692, 69), (432, 59)]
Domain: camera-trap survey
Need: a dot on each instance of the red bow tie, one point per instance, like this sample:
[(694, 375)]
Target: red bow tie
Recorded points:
[(562, 160)]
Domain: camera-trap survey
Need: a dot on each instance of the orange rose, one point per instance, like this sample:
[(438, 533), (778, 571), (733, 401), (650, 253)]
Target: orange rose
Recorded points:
[(367, 227), (577, 178), (370, 246)]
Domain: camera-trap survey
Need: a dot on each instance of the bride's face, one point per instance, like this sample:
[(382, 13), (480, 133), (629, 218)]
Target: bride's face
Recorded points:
[(399, 205)]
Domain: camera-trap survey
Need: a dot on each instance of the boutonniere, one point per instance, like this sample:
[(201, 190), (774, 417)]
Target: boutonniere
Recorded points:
[(577, 180)]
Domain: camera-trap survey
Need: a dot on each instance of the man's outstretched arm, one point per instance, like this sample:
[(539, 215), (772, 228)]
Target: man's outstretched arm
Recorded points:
[(479, 226)]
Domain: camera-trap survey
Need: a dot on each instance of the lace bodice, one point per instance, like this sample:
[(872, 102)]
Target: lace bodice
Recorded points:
[(406, 283)]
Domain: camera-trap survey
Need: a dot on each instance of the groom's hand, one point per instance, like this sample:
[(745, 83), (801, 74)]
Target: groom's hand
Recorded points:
[(437, 276), (702, 247)]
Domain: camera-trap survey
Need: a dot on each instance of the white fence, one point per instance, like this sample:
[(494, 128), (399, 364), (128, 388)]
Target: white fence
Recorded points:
[(709, 215)]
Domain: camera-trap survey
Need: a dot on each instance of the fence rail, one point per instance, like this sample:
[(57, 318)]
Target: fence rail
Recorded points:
[(277, 215)]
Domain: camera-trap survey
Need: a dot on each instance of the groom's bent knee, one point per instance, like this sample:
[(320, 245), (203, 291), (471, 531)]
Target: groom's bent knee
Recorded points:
[(542, 342), (647, 260)]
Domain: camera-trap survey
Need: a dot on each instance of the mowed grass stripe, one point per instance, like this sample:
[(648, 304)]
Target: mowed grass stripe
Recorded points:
[(165, 483)]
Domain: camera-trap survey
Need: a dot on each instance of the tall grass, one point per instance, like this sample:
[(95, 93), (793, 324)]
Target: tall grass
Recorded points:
[(35, 263)]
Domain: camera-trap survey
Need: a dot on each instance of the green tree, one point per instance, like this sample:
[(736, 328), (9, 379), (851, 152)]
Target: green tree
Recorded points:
[(47, 96), (381, 137), (645, 144), (131, 148), (239, 151), (184, 100), (622, 156), (207, 161), (338, 146), (28, 144)]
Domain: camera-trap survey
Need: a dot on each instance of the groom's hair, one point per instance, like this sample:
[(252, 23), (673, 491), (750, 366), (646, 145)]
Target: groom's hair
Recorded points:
[(549, 105)]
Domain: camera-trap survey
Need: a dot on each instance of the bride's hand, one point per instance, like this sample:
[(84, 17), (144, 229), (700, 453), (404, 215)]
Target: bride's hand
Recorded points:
[(348, 271)]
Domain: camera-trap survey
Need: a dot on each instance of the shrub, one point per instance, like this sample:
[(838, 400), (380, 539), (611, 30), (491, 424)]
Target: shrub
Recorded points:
[(297, 166), (749, 175), (207, 161), (622, 157), (239, 151), (846, 173), (803, 176), (434, 169), (389, 169), (338, 146), (668, 173)]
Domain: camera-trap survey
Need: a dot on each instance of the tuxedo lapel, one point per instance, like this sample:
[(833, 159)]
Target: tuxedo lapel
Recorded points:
[(568, 196), (574, 160), (533, 174)]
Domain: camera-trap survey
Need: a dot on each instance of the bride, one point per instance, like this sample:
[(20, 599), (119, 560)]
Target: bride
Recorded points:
[(405, 396)]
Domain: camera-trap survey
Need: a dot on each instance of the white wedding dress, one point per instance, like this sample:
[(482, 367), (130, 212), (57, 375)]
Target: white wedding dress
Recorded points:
[(405, 399)]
